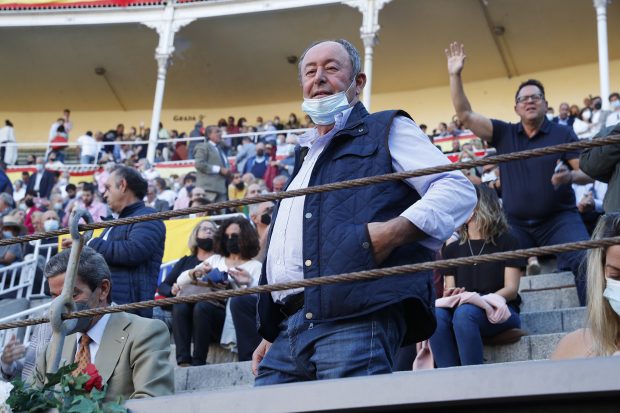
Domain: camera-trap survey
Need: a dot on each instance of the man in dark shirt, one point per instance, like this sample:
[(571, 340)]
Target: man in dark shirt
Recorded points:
[(537, 195)]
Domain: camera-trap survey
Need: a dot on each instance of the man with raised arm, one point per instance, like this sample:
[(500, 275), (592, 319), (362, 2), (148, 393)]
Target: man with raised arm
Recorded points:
[(537, 195)]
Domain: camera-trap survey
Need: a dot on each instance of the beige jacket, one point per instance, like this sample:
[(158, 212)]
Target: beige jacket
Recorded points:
[(133, 358)]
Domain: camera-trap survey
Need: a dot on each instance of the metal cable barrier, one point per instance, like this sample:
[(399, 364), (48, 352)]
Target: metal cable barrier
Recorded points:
[(354, 183), (333, 279)]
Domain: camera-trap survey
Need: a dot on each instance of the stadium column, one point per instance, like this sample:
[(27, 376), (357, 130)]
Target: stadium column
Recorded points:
[(166, 28), (603, 58), (368, 32)]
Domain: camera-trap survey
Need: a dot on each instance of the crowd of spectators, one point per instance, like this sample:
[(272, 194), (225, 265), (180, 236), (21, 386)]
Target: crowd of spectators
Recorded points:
[(232, 167)]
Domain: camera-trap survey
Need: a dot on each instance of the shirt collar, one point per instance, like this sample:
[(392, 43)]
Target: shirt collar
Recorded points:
[(96, 332), (310, 138), (544, 128)]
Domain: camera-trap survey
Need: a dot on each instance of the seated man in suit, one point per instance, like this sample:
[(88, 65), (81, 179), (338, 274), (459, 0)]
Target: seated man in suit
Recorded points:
[(130, 352)]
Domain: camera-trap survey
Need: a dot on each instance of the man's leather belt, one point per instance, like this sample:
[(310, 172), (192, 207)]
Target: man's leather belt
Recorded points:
[(292, 304)]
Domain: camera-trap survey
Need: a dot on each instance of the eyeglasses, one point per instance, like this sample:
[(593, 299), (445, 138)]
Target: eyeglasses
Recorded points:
[(534, 98)]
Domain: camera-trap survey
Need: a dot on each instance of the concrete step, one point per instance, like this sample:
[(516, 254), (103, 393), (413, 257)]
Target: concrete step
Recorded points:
[(545, 300), (536, 347), (563, 320), (214, 376), (239, 374), (544, 281)]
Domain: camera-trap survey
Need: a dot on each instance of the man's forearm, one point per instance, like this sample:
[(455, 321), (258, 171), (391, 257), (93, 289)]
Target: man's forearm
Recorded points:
[(459, 100), (580, 178)]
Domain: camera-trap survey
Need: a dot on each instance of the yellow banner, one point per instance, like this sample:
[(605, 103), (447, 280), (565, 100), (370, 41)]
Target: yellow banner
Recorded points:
[(177, 235)]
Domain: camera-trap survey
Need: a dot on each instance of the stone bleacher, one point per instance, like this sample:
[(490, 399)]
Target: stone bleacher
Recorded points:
[(550, 309)]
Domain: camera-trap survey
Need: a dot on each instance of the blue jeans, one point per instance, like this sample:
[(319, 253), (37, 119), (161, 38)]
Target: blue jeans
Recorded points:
[(361, 346), (563, 227), (87, 159), (458, 338)]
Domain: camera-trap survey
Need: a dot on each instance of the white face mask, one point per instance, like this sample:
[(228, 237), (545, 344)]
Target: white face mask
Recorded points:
[(586, 115), (550, 116), (612, 294), (51, 225), (323, 111), (488, 177), (615, 104)]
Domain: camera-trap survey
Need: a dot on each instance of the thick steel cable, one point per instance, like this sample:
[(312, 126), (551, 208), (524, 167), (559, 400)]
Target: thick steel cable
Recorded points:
[(332, 279), (354, 183)]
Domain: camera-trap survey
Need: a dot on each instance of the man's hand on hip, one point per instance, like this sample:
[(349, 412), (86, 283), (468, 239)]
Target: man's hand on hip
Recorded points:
[(259, 355), (385, 236)]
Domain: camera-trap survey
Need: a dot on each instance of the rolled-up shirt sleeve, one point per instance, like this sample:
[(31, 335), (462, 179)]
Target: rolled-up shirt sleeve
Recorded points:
[(446, 199)]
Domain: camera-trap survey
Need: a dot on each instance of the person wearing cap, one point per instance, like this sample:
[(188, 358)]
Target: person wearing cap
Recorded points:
[(11, 227)]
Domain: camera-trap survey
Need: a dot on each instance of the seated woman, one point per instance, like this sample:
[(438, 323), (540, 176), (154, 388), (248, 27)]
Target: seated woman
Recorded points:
[(236, 242), (601, 337), (200, 244), (458, 338)]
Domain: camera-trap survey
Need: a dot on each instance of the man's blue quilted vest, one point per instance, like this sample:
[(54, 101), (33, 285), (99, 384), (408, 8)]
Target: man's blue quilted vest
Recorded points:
[(336, 238)]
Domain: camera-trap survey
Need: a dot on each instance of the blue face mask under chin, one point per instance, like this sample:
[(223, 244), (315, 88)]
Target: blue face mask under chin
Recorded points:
[(323, 111)]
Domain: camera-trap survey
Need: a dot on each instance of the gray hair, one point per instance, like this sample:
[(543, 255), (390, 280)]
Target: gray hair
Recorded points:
[(7, 199), (354, 55), (92, 268)]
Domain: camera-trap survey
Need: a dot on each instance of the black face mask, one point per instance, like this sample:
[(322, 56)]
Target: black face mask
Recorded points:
[(240, 185), (598, 105), (205, 244), (29, 203), (189, 188), (260, 152), (232, 244), (265, 219)]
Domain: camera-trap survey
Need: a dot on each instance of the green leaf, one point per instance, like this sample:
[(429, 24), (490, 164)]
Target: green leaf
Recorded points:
[(111, 407), (82, 404), (55, 378)]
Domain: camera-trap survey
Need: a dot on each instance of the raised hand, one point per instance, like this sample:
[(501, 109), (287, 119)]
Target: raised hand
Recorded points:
[(455, 54)]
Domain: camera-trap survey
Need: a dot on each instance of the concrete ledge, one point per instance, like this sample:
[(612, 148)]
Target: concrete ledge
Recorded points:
[(463, 388), (536, 282), (537, 347), (554, 321), (545, 300)]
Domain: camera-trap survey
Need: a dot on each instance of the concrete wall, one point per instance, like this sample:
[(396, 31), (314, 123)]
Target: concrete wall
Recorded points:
[(493, 98)]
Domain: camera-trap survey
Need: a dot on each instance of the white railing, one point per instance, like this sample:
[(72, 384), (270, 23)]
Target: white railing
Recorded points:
[(34, 312), (43, 257), (18, 278), (239, 136)]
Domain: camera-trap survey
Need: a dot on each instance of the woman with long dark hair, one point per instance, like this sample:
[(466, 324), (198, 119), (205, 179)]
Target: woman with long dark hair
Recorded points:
[(200, 244), (458, 338), (236, 244)]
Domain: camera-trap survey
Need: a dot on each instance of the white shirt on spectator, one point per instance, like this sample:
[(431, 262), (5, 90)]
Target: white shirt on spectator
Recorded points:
[(89, 145), (436, 213), (613, 118), (167, 195)]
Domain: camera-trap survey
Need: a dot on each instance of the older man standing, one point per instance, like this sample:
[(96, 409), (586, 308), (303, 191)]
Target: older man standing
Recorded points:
[(353, 329), (212, 166)]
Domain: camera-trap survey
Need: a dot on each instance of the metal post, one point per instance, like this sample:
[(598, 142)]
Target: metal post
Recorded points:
[(368, 33), (64, 302), (603, 58)]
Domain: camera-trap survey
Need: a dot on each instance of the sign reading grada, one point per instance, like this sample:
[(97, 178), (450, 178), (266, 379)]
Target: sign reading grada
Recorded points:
[(184, 118)]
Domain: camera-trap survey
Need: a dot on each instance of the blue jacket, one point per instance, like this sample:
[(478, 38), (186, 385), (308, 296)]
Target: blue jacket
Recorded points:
[(336, 237), (133, 253)]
